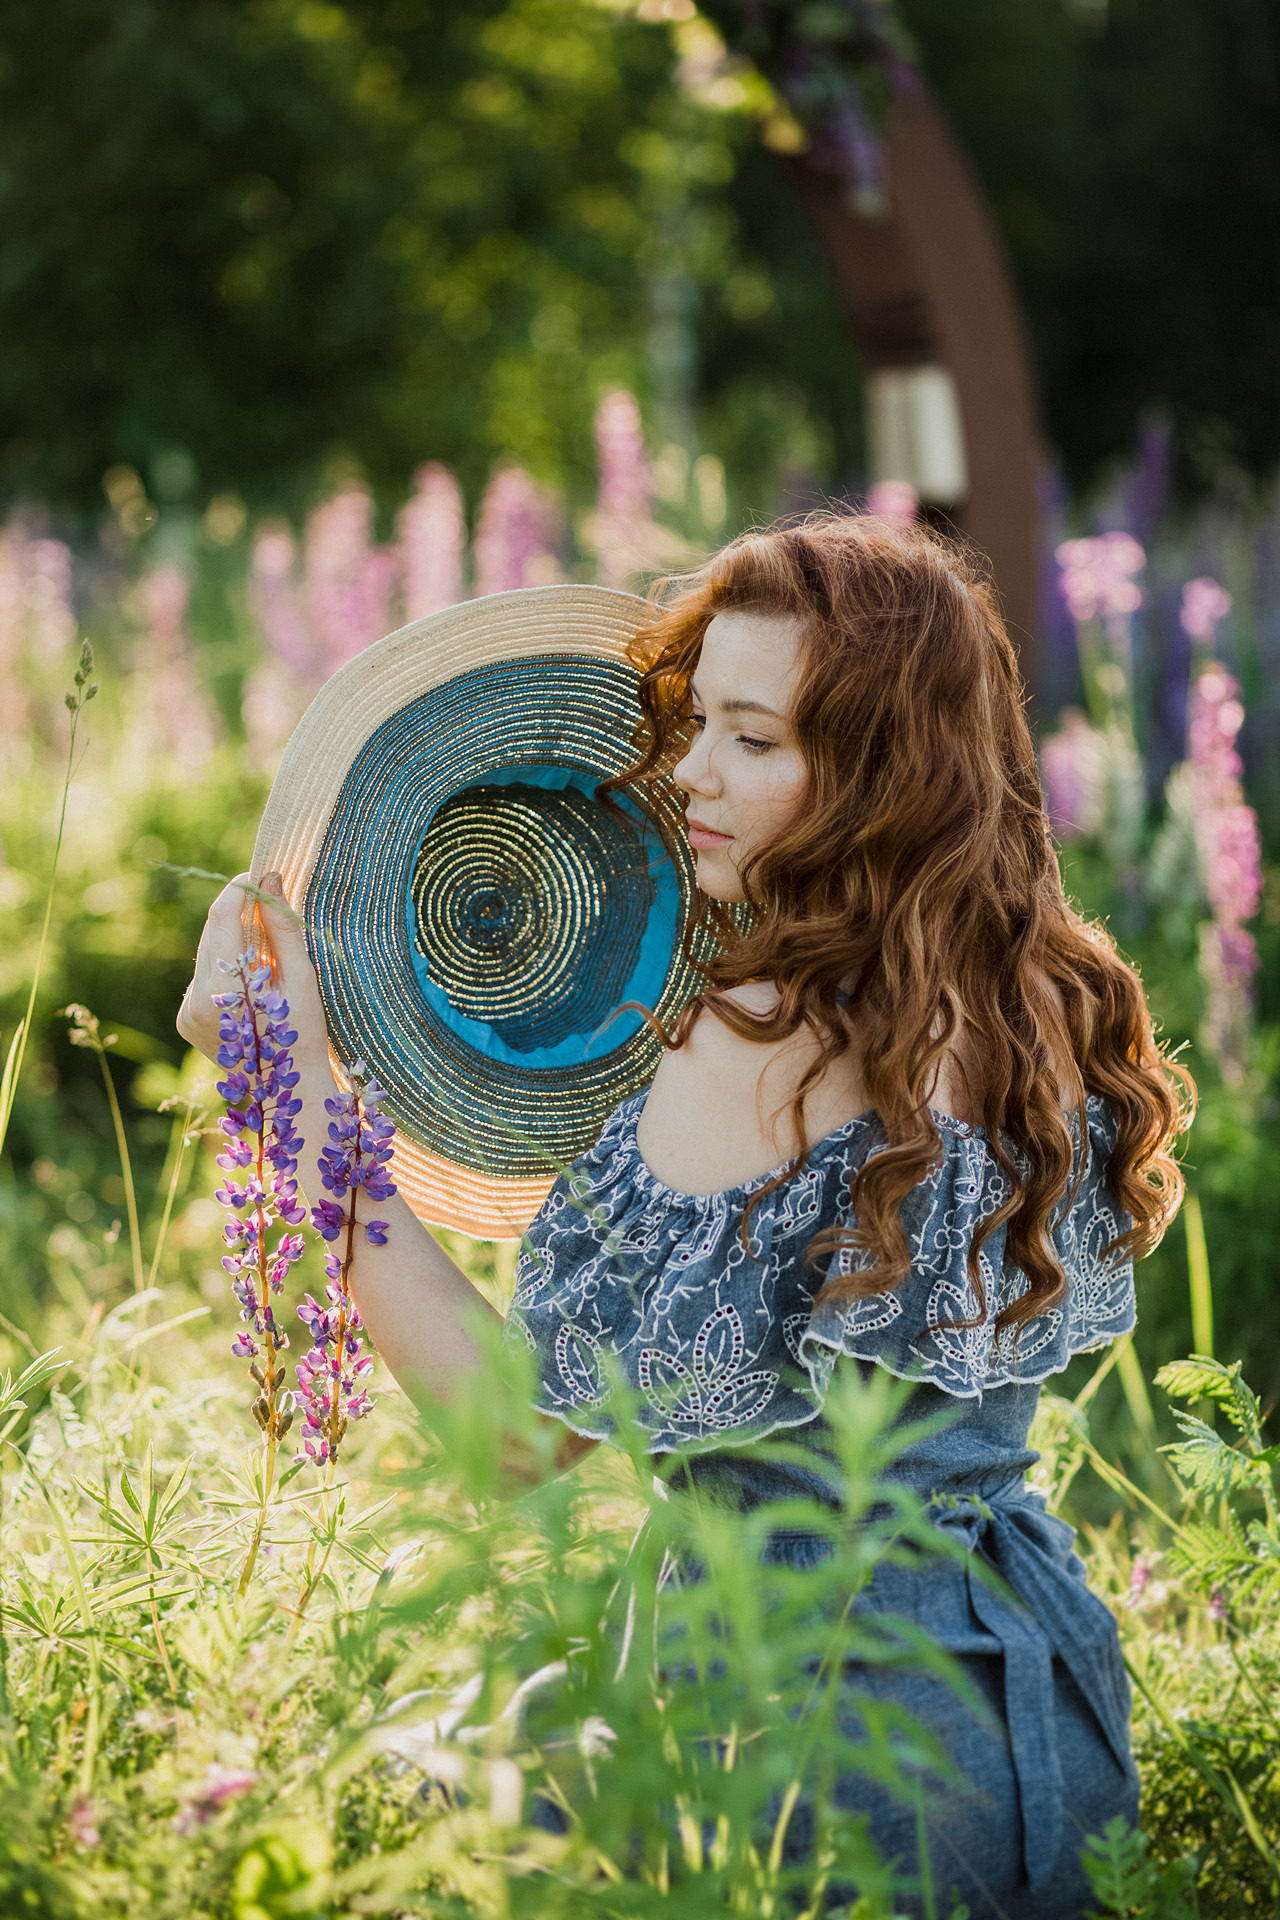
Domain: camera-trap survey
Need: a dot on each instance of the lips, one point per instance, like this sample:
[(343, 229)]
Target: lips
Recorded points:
[(705, 837)]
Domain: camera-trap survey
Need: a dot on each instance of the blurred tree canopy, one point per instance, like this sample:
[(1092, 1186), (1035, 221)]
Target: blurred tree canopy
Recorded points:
[(241, 239), (246, 243)]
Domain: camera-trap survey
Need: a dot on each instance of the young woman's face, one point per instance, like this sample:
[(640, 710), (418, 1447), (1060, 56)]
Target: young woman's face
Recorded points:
[(743, 773)]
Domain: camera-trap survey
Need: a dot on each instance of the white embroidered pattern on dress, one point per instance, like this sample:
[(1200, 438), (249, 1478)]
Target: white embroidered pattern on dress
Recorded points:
[(714, 1336)]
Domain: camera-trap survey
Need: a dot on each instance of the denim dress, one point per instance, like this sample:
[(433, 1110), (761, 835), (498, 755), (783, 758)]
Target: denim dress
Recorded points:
[(722, 1344)]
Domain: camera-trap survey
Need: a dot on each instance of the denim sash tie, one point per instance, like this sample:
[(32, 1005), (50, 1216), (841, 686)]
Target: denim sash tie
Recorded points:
[(1052, 1612)]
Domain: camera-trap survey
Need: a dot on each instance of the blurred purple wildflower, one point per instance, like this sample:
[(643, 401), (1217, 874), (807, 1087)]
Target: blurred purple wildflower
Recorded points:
[(260, 1162), (356, 1157), (1217, 1604), (432, 529)]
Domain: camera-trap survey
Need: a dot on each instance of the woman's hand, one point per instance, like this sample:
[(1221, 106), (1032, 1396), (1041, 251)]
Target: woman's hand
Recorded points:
[(223, 938)]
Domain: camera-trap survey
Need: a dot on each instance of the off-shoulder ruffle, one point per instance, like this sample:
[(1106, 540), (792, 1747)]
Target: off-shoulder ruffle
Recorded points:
[(721, 1341)]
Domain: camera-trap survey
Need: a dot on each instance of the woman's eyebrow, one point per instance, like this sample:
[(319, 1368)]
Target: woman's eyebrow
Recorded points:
[(740, 706)]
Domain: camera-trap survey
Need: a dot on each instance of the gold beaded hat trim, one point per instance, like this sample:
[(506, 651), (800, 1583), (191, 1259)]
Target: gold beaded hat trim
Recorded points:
[(476, 916)]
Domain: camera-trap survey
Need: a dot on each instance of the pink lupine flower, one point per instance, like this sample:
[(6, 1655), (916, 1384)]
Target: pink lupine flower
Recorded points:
[(513, 534), (1215, 719), (1204, 604), (275, 601), (348, 581), (1229, 846), (625, 487), (432, 530), (1099, 576), (1139, 1581), (621, 529), (174, 711), (37, 624), (218, 1785), (1231, 849), (893, 500), (1073, 763), (82, 1822)]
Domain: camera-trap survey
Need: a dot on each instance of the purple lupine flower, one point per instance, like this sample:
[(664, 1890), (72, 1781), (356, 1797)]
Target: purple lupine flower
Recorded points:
[(432, 529), (259, 1162), (513, 545), (355, 1159)]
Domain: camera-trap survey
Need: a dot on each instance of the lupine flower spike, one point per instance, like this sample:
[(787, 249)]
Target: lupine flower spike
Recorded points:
[(356, 1157), (260, 1162)]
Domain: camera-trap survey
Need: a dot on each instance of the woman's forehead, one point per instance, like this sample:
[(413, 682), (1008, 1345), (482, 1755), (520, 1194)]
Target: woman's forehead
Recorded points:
[(746, 651)]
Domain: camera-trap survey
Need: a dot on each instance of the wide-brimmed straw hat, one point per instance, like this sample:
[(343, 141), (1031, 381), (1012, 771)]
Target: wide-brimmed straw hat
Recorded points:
[(475, 914)]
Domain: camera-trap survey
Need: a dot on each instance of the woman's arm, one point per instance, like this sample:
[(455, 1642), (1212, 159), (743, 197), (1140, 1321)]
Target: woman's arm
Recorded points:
[(420, 1309)]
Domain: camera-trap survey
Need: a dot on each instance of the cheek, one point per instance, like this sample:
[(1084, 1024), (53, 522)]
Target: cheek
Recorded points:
[(784, 788)]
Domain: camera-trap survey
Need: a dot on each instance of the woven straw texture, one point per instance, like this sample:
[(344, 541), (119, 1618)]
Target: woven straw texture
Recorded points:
[(476, 917)]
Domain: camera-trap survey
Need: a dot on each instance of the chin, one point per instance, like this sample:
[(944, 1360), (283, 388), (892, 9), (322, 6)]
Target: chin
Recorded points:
[(718, 878)]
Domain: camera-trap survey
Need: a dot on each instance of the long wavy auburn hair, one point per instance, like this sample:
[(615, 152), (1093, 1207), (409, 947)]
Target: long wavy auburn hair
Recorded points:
[(916, 899)]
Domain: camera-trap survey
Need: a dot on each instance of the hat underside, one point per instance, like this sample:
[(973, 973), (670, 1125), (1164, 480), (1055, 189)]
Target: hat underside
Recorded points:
[(477, 918)]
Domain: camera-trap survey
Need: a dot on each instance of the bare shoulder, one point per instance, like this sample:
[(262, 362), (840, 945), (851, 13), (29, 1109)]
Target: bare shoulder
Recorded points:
[(719, 1110)]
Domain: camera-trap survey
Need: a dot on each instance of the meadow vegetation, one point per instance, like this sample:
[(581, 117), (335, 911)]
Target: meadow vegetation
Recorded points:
[(431, 1694)]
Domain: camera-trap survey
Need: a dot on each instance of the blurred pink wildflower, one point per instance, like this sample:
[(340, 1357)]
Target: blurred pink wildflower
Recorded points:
[(312, 626), (622, 530), (82, 1822), (1229, 846), (513, 545), (173, 712), (432, 531), (37, 623), (217, 1785), (893, 500), (1099, 576), (1204, 604), (1073, 763), (349, 581)]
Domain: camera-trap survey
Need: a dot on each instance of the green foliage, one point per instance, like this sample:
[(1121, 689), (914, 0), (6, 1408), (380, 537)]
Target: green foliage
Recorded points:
[(1126, 1882)]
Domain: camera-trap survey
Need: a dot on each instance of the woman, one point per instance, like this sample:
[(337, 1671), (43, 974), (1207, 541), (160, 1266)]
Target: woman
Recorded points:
[(918, 1120)]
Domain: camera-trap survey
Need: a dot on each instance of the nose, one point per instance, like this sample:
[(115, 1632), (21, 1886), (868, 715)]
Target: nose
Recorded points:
[(693, 773)]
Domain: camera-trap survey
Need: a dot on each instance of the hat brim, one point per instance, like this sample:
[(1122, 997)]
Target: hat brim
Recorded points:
[(529, 625)]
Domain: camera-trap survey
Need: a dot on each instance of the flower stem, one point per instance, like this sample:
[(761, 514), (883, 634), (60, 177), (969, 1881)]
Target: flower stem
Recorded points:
[(183, 1127), (18, 1045), (126, 1164)]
